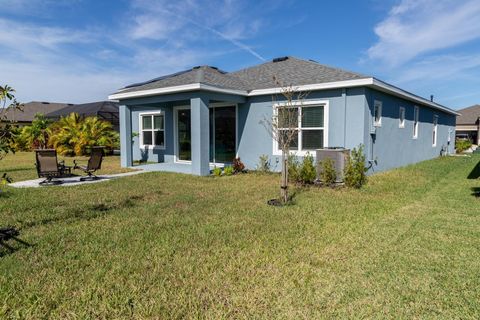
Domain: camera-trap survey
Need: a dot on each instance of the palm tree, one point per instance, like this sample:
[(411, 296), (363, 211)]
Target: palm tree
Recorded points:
[(96, 132), (65, 133), (73, 136), (36, 135)]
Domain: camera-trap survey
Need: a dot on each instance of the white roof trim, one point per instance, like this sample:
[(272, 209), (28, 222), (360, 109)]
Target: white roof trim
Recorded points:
[(176, 89), (317, 86), (466, 127), (366, 82), (385, 87)]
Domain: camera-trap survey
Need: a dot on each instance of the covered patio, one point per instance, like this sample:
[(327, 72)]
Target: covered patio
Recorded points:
[(191, 142)]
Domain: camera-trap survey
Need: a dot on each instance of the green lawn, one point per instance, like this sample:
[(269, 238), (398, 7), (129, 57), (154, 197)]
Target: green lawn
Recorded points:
[(21, 165), (163, 245)]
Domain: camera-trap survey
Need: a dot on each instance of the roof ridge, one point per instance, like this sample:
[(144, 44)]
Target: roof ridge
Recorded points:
[(303, 60), (471, 107), (332, 67)]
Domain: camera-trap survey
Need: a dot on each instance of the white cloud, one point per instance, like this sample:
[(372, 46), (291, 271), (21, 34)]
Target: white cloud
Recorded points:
[(416, 27), (187, 20), (48, 59), (35, 8), (60, 83), (440, 68), (22, 36)]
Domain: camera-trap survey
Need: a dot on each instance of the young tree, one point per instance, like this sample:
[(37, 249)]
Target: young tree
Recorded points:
[(8, 103), (36, 135), (283, 127)]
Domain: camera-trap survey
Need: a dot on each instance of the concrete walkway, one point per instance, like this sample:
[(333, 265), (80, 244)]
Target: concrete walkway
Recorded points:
[(73, 181)]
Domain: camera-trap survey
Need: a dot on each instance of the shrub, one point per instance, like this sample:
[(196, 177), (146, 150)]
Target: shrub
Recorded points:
[(293, 168), (217, 172), (238, 165), (36, 135), (307, 170), (19, 142), (228, 171), (72, 135), (4, 180), (355, 172), (328, 174), (263, 163), (462, 144)]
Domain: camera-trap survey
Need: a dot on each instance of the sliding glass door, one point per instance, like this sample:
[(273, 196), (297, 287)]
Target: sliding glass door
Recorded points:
[(222, 134), (184, 135)]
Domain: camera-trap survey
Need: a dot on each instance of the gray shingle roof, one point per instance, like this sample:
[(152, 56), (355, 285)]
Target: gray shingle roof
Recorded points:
[(203, 74), (56, 110), (292, 71), (469, 115), (288, 70), (32, 108), (85, 109)]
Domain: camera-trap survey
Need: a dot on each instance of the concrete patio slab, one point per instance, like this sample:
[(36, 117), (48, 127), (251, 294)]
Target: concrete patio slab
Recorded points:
[(185, 168), (73, 181), (177, 167)]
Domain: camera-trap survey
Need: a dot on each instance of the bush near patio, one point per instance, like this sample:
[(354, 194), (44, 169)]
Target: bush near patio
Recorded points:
[(73, 135), (462, 145), (166, 245), (34, 136), (70, 136)]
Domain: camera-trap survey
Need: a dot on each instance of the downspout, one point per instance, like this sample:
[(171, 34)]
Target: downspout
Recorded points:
[(371, 131)]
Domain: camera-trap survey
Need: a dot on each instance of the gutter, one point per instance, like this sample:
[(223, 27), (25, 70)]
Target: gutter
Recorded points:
[(365, 82)]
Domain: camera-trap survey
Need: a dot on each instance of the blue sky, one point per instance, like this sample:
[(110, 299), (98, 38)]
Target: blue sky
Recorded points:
[(83, 50)]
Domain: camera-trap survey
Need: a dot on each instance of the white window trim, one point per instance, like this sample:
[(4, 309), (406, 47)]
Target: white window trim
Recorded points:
[(416, 116), (226, 104), (401, 117), (140, 128), (379, 104), (435, 129), (175, 133), (310, 103)]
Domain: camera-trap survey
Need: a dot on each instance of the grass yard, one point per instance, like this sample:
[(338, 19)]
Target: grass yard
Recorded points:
[(163, 245), (21, 165)]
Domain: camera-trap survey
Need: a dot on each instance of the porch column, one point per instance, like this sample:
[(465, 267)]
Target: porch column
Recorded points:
[(478, 131), (125, 136), (200, 139)]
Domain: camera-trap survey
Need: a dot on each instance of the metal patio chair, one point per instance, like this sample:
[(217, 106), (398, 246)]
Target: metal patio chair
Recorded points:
[(94, 164)]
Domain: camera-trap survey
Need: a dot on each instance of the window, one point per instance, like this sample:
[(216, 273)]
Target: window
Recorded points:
[(288, 123), (377, 114), (305, 126), (415, 122), (434, 131), (152, 128), (401, 117)]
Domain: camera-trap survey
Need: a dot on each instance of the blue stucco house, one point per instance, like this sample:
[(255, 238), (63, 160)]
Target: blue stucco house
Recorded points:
[(194, 119)]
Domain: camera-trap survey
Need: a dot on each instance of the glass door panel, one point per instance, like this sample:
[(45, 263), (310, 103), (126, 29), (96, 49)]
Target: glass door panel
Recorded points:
[(184, 135), (224, 133)]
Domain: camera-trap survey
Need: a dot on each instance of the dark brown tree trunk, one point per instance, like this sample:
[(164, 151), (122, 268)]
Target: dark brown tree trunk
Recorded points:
[(284, 182)]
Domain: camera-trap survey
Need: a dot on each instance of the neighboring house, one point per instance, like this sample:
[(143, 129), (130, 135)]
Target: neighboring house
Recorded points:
[(106, 110), (468, 124), (206, 116), (30, 109)]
